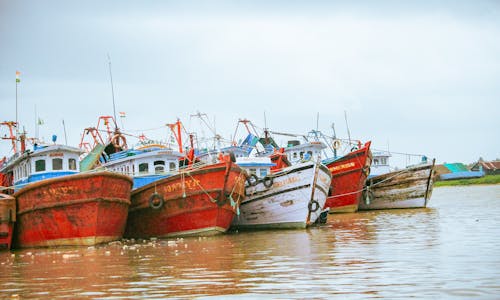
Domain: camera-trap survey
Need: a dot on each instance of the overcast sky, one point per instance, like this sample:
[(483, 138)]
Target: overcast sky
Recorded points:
[(412, 76)]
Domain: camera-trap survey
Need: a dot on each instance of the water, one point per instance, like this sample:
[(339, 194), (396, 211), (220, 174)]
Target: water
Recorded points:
[(449, 250)]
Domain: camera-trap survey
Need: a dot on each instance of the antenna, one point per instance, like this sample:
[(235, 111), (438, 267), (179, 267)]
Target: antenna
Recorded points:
[(36, 124), (347, 125), (112, 90), (65, 136), (317, 122)]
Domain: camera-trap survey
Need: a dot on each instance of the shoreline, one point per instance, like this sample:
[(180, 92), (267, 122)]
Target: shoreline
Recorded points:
[(486, 180)]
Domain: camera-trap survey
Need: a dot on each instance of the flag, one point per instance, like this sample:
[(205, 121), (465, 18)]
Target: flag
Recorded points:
[(40, 121), (17, 76), (122, 114)]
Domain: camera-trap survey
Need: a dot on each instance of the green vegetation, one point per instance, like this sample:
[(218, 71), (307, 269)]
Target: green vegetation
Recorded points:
[(488, 179)]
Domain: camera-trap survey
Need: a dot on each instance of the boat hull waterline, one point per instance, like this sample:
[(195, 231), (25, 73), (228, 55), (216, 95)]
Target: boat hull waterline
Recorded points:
[(75, 210), (198, 202), (7, 220), (349, 174), (292, 198), (408, 188)]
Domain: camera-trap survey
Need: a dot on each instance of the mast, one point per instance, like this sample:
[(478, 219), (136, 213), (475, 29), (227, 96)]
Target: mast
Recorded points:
[(347, 125), (334, 138), (112, 93)]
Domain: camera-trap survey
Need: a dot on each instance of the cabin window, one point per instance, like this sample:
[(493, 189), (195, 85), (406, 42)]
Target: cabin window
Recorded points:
[(143, 168), (57, 164), (172, 166), (383, 161), (40, 165), (263, 172), (375, 161), (72, 164), (253, 171), (301, 154), (159, 166), (294, 155)]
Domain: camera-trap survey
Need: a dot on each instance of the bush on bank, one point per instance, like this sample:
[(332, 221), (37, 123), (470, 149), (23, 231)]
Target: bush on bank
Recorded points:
[(487, 179)]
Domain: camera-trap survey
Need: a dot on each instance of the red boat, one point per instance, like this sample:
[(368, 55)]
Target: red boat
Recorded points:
[(7, 220), (194, 201), (82, 209), (349, 174)]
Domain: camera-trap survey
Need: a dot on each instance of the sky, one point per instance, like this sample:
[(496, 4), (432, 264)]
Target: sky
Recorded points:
[(417, 77)]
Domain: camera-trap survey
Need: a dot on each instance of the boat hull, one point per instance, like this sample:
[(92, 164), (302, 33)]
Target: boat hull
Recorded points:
[(408, 188), (76, 210), (7, 220), (197, 202), (349, 174), (287, 201)]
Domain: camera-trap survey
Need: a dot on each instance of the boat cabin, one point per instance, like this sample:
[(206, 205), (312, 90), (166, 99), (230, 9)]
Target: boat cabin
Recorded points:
[(297, 152), (380, 163), (211, 156), (42, 162), (145, 165), (258, 166)]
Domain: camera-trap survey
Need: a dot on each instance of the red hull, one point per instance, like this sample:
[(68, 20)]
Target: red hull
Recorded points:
[(196, 202), (349, 174), (7, 219), (83, 209)]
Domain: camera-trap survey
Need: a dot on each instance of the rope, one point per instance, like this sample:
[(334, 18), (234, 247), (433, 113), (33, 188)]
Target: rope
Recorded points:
[(202, 189)]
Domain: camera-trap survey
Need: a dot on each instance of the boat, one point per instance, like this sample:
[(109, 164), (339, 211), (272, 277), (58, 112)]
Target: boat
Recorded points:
[(7, 220), (175, 194), (349, 171), (410, 187), (59, 206), (290, 197)]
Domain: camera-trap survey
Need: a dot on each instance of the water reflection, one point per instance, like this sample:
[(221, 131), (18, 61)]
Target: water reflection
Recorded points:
[(447, 250)]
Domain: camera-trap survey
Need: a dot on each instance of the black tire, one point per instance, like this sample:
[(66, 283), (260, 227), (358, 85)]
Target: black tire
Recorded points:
[(232, 157), (268, 181), (310, 206), (156, 201), (252, 180)]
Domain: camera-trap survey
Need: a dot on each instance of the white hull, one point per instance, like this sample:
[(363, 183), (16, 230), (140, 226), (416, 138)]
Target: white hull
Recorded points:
[(408, 188), (287, 202)]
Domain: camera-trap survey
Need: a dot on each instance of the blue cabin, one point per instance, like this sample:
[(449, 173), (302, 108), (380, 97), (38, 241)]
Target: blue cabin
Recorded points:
[(145, 164), (43, 162)]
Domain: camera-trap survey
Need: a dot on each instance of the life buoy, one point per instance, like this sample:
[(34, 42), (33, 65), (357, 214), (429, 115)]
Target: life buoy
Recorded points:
[(119, 141), (156, 201), (310, 206), (268, 181), (252, 180), (336, 144)]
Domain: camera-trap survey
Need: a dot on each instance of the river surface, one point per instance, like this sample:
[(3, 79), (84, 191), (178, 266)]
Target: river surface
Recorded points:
[(449, 250)]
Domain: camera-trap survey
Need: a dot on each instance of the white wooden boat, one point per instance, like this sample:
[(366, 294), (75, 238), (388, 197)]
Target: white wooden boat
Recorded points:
[(292, 197), (407, 188)]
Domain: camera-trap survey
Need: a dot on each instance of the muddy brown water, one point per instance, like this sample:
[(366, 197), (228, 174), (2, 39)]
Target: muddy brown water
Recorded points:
[(449, 250)]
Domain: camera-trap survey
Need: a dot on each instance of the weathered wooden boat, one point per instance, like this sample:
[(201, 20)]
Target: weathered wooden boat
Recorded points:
[(291, 197), (7, 220), (407, 188), (58, 206), (349, 173), (173, 200)]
